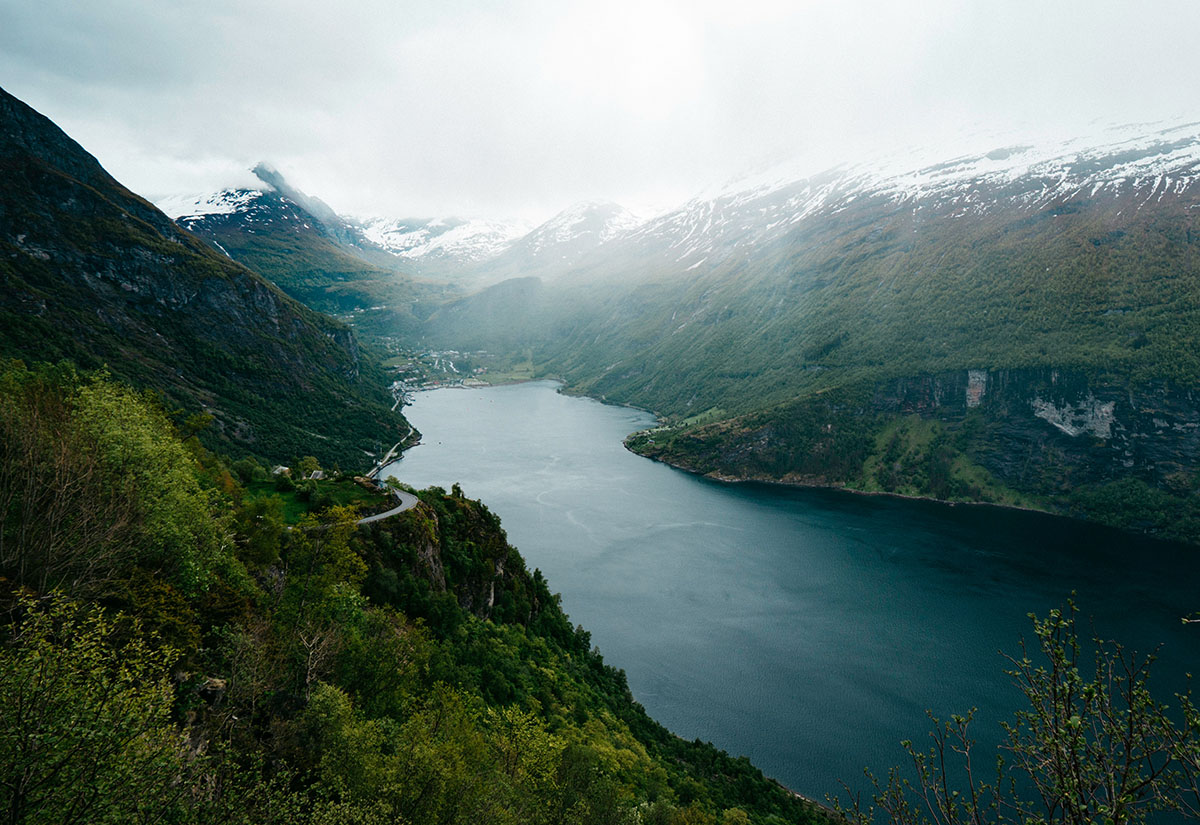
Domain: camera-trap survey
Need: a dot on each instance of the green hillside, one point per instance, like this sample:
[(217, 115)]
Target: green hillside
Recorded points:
[(94, 274)]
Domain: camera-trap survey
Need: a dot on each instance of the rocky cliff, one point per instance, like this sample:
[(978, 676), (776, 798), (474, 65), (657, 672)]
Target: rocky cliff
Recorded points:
[(1080, 428), (95, 274)]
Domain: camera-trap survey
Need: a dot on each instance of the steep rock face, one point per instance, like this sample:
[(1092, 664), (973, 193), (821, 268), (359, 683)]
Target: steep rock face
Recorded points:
[(1049, 423), (95, 274)]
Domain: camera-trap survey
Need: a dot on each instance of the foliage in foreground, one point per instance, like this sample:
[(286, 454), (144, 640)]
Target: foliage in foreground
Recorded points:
[(170, 651), (1093, 746)]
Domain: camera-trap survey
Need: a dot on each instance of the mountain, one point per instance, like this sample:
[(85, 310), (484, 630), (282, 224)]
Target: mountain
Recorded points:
[(446, 247), (560, 243), (97, 275), (1019, 325), (306, 249), (339, 264), (480, 252)]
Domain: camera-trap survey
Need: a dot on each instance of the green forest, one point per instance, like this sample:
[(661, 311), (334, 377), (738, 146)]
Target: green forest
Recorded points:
[(185, 641)]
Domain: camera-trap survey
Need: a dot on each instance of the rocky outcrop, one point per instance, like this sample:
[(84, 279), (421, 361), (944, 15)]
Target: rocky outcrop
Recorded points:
[(1043, 424), (428, 553)]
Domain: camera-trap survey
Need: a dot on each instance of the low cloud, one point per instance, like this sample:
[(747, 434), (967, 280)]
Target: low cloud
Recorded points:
[(520, 108)]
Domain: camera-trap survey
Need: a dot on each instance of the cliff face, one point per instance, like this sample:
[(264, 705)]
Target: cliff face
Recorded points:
[(94, 274), (1060, 423)]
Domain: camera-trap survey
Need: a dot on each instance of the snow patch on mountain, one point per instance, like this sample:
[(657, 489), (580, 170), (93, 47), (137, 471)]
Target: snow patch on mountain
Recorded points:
[(469, 241), (1135, 155), (1149, 162), (226, 202), (1164, 159), (597, 221), (580, 227)]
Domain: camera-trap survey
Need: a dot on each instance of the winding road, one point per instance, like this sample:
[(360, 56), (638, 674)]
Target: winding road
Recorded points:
[(407, 502)]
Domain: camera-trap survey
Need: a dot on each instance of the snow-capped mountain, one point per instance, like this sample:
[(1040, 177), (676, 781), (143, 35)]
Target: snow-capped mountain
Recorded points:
[(556, 246), (466, 250), (442, 242), (275, 206), (486, 251), (1134, 163), (601, 237), (1117, 157), (242, 206), (872, 234), (589, 223), (301, 245)]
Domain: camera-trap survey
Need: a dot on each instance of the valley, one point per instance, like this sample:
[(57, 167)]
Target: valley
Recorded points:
[(1017, 327), (189, 635)]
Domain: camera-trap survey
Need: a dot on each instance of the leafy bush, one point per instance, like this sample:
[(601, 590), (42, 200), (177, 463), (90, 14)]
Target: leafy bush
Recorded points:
[(1092, 745)]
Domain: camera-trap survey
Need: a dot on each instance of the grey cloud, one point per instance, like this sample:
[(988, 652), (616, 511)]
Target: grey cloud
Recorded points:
[(521, 107)]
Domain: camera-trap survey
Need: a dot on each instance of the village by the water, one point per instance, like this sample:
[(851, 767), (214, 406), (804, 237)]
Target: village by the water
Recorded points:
[(415, 371)]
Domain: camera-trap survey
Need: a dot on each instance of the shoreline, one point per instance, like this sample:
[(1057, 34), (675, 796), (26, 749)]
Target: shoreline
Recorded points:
[(837, 488), (563, 387), (841, 488), (808, 800), (775, 482)]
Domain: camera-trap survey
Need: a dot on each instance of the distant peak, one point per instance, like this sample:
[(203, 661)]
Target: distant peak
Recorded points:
[(316, 207), (271, 176)]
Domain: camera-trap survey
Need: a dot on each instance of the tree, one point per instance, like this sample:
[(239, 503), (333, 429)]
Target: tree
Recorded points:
[(92, 480), (1090, 747), (62, 525), (307, 466), (85, 728)]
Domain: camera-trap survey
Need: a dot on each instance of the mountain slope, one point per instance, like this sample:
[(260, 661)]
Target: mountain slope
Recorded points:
[(559, 244), (302, 246), (95, 274), (441, 247), (1049, 295)]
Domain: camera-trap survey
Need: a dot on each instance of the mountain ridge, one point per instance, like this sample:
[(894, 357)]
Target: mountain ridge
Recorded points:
[(97, 275), (470, 251)]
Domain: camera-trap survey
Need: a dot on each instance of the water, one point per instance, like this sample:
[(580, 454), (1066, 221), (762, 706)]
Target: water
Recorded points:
[(809, 630)]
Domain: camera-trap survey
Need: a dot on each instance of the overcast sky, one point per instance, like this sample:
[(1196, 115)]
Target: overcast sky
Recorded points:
[(520, 108)]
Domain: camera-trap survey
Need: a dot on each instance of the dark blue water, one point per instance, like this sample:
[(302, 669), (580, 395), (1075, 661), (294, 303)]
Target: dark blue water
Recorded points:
[(809, 630)]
